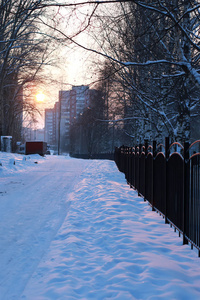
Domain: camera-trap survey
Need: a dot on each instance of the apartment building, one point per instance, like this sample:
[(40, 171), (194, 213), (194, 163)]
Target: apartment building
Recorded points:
[(64, 114), (49, 126), (72, 103), (52, 125)]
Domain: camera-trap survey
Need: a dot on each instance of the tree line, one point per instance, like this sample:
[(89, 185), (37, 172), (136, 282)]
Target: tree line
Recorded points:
[(153, 67), (149, 78)]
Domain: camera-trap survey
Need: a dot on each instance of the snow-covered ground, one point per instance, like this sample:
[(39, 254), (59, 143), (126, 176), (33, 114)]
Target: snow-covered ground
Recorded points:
[(73, 229)]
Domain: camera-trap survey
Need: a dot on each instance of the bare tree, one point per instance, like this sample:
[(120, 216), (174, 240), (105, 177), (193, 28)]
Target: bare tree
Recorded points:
[(24, 50), (153, 47), (156, 44)]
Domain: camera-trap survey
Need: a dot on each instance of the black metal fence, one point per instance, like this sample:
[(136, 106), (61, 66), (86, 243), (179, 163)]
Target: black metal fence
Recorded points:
[(168, 176)]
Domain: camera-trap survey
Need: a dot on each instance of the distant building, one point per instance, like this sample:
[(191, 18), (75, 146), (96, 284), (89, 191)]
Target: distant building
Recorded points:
[(30, 134), (64, 114), (80, 99), (39, 135), (52, 117), (72, 103), (48, 136), (56, 123), (67, 106)]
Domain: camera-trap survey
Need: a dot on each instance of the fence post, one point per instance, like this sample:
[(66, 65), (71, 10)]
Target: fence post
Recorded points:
[(186, 187), (140, 147), (154, 156), (129, 166), (133, 168), (126, 163), (145, 167), (166, 174)]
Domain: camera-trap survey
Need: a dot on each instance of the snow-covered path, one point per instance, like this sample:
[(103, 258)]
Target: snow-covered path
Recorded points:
[(33, 205), (91, 237)]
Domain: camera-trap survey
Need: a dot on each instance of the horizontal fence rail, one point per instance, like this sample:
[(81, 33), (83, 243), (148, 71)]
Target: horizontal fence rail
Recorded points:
[(168, 177)]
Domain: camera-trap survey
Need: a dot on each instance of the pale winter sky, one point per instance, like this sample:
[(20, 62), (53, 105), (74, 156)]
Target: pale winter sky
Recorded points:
[(74, 65)]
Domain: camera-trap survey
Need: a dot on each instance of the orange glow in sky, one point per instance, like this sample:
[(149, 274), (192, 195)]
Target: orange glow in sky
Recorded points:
[(40, 97)]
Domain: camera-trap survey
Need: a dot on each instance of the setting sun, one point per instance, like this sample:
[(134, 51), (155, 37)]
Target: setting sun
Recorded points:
[(40, 97)]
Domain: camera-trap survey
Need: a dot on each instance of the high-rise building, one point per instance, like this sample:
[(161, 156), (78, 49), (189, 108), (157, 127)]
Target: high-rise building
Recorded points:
[(80, 94), (56, 124), (48, 136), (52, 117), (72, 103), (59, 119), (64, 126)]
